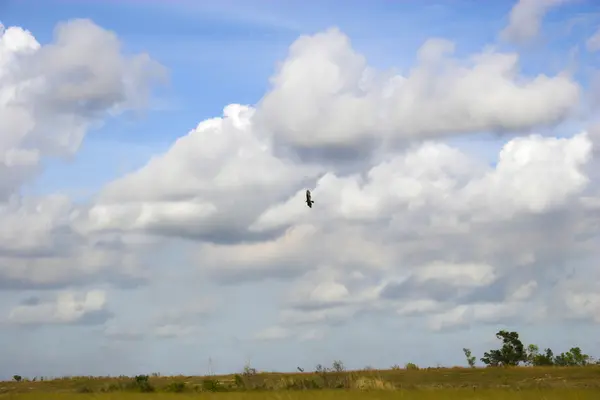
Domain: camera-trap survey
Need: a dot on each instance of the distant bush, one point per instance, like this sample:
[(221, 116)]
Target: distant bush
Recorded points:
[(142, 383), (212, 385), (111, 387), (176, 387), (320, 369), (304, 384), (17, 378), (239, 381), (85, 389), (411, 366)]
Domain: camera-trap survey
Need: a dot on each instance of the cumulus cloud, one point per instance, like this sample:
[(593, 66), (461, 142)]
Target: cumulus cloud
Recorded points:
[(430, 230), (208, 186), (467, 242), (525, 19), (40, 249), (451, 188), (51, 95), (67, 308), (324, 97)]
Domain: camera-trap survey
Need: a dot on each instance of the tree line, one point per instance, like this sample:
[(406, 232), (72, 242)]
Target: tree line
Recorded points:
[(513, 353)]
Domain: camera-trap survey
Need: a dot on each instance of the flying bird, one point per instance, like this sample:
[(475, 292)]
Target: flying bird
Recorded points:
[(309, 202)]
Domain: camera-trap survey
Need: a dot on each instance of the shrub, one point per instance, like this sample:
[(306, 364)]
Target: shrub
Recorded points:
[(142, 383), (176, 387), (112, 387), (412, 366), (212, 385), (84, 389), (239, 381)]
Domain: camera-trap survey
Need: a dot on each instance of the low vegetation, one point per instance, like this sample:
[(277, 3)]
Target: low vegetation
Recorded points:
[(522, 370)]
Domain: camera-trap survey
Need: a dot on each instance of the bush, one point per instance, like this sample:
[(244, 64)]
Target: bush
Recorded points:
[(142, 383), (176, 387), (112, 387), (303, 384), (212, 385), (84, 389), (239, 381), (412, 366)]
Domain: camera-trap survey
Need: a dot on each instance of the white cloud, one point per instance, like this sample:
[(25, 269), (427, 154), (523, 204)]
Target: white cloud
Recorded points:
[(451, 228), (209, 185), (194, 190), (51, 95), (457, 275), (465, 315), (586, 304), (524, 291), (66, 308), (526, 17), (324, 96), (39, 247), (502, 226), (451, 189)]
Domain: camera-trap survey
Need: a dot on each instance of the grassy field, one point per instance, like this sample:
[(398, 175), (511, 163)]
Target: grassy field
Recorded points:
[(449, 394), (432, 383)]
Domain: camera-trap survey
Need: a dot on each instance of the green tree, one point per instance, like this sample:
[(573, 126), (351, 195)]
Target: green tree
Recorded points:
[(536, 359), (511, 353), (533, 351), (573, 357), (470, 357)]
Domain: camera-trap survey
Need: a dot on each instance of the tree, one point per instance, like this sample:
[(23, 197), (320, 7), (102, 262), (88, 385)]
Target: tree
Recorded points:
[(338, 366), (533, 351), (470, 358), (536, 359), (573, 357), (511, 354)]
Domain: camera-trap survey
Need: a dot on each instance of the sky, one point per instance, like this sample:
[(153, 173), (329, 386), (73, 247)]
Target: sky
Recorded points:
[(154, 158)]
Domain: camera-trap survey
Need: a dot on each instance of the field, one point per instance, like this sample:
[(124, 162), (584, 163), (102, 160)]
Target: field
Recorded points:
[(525, 383)]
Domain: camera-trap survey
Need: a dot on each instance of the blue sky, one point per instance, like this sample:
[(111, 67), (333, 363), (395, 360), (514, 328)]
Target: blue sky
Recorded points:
[(217, 55)]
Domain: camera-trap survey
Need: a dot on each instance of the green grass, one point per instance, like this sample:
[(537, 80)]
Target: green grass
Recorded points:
[(432, 383), (446, 394)]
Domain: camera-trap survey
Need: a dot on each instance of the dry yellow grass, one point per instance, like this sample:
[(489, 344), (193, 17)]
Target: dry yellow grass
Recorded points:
[(449, 383), (446, 394)]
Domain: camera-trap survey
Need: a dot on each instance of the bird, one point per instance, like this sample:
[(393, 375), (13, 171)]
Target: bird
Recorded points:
[(309, 202)]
